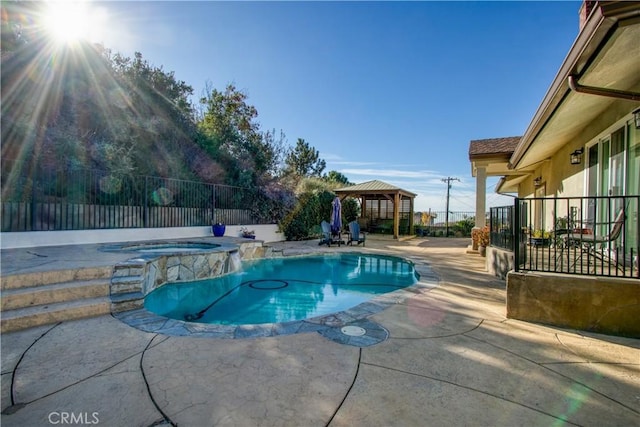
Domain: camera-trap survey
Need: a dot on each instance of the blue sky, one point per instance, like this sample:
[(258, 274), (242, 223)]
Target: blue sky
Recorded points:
[(384, 90)]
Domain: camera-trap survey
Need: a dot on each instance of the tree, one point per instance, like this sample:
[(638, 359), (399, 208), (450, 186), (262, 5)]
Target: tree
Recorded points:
[(94, 109), (337, 177), (275, 151), (234, 137), (304, 161)]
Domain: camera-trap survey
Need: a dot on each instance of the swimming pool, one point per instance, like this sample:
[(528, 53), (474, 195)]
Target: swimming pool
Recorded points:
[(283, 289)]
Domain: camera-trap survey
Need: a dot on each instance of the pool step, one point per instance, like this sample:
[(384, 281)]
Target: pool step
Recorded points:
[(14, 320), (127, 286), (127, 301), (13, 299), (28, 280), (34, 299)]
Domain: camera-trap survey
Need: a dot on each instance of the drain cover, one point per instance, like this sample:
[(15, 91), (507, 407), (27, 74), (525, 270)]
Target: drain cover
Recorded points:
[(268, 285), (353, 331)]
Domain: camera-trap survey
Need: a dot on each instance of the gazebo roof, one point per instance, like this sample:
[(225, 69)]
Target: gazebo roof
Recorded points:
[(374, 187)]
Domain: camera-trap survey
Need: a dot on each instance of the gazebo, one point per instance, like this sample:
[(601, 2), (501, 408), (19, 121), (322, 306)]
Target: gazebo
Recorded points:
[(382, 203)]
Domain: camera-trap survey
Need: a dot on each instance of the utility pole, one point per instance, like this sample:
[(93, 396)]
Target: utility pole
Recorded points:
[(446, 220)]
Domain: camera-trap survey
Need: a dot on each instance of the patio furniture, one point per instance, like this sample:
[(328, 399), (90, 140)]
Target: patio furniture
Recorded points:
[(354, 234), (329, 236), (594, 244)]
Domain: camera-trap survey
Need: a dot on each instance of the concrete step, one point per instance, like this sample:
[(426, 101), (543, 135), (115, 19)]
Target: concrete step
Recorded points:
[(126, 301), (12, 299), (26, 280), (13, 320), (126, 284)]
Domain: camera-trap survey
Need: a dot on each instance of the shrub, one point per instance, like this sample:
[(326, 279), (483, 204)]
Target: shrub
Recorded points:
[(480, 236), (463, 227), (310, 210)]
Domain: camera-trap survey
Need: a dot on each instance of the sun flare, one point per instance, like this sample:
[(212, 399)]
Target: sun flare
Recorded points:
[(71, 21)]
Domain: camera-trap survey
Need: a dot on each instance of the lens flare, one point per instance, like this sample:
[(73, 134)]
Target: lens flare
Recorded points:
[(72, 21)]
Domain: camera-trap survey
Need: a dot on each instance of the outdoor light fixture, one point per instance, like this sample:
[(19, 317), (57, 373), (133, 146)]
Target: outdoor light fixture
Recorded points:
[(537, 181), (636, 117), (576, 157)]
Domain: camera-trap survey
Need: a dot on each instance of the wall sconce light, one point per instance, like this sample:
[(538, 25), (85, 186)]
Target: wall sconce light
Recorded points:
[(636, 117), (537, 181), (576, 157)]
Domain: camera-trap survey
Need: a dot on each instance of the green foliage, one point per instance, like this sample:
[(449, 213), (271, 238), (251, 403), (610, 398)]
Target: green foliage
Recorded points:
[(350, 210), (233, 136), (541, 234), (275, 151), (313, 207), (311, 185), (304, 161), (310, 210), (464, 227), (91, 109), (84, 107), (337, 177)]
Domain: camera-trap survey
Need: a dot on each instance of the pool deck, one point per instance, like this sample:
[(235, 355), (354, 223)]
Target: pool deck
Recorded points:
[(451, 358)]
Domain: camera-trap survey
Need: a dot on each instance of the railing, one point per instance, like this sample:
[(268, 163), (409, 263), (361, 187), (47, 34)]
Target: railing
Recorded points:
[(459, 223), (596, 236), (81, 199), (501, 227)]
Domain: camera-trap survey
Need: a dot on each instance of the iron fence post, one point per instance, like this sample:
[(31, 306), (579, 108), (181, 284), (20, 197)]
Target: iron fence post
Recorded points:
[(145, 212), (516, 235)]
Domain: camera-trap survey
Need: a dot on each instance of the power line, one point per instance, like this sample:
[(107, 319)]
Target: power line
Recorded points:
[(446, 220)]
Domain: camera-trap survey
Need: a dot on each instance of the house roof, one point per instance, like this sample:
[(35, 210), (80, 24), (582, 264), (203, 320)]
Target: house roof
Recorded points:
[(493, 146), (606, 54), (492, 154)]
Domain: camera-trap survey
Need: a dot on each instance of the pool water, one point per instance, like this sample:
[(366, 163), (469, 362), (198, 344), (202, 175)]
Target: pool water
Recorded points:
[(283, 289)]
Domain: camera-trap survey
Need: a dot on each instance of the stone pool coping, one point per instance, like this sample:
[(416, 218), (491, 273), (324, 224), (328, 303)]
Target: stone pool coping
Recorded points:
[(329, 325)]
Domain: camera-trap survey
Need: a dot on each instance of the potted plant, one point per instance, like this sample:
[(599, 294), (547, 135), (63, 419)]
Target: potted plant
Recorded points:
[(540, 238), (480, 236), (218, 229), (246, 233)]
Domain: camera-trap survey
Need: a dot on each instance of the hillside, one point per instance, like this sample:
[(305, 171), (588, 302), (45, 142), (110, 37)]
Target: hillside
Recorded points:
[(81, 107)]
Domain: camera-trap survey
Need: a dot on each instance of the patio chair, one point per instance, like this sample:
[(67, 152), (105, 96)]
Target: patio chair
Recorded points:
[(328, 236), (354, 234), (593, 244)]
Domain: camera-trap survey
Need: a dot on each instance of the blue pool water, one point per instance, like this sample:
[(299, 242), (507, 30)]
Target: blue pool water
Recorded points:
[(283, 289)]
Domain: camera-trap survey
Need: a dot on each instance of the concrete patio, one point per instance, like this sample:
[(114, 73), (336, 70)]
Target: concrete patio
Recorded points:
[(451, 358)]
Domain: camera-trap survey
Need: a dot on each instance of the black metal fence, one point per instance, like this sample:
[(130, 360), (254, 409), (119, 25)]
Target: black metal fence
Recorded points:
[(81, 199), (597, 236), (439, 224), (501, 227)]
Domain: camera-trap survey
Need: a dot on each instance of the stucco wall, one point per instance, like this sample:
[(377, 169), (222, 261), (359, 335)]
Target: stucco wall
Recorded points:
[(598, 304), (499, 261), (28, 239)]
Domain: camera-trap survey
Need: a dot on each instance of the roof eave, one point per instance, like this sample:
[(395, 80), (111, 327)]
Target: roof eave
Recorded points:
[(596, 30)]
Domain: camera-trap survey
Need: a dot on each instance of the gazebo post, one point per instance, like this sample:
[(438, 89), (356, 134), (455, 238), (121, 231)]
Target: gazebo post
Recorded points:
[(396, 215), (410, 215)]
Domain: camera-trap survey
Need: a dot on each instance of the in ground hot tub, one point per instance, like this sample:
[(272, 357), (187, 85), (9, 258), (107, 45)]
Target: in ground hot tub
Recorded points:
[(170, 247)]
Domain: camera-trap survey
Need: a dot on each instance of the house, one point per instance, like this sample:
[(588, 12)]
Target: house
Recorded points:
[(575, 174)]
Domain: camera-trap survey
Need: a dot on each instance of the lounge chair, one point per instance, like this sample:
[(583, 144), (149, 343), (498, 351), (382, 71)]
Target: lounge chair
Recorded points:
[(329, 237), (594, 245), (354, 234)]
